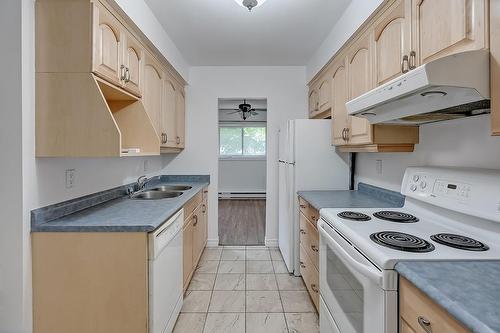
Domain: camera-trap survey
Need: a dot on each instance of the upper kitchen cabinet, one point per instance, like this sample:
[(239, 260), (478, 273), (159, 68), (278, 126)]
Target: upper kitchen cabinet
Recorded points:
[(152, 96), (325, 92), (99, 83), (340, 120), (392, 42), (107, 40), (180, 118), (360, 80), (445, 27), (313, 101)]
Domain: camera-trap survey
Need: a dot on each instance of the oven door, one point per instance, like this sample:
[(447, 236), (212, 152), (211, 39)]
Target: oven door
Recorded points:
[(351, 287)]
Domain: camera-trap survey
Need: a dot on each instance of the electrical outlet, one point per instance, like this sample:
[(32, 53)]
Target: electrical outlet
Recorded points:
[(70, 178), (146, 166), (379, 167)]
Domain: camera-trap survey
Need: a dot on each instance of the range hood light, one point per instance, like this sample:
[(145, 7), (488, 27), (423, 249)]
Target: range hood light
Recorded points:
[(433, 93)]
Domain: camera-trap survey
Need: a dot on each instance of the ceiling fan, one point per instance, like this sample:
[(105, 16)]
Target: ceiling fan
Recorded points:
[(245, 110)]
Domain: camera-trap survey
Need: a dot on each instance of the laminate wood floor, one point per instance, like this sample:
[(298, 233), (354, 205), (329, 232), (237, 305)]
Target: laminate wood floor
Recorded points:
[(242, 222)]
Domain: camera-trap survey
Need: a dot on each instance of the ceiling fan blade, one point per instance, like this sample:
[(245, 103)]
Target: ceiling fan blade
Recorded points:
[(222, 109), (235, 111), (260, 109)]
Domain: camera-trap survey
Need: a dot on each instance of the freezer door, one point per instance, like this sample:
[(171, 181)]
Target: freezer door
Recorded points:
[(286, 228), (286, 142)]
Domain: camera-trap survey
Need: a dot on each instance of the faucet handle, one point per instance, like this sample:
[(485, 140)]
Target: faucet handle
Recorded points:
[(141, 182)]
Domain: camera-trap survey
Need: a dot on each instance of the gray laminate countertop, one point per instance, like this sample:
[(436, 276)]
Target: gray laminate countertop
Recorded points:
[(367, 196), (468, 290), (115, 213)]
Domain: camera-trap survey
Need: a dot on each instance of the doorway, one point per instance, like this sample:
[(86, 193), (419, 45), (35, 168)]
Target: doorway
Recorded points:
[(242, 171)]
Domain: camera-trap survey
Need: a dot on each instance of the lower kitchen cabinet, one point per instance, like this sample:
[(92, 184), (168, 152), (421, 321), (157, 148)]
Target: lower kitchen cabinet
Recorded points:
[(418, 313), (194, 233), (309, 249)]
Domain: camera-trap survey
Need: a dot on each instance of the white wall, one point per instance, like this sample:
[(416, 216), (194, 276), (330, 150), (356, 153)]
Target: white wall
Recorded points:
[(286, 93), (462, 143), (145, 19), (355, 14), (242, 175)]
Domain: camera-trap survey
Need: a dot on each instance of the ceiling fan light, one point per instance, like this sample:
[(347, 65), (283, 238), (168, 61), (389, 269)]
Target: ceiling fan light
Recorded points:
[(250, 4)]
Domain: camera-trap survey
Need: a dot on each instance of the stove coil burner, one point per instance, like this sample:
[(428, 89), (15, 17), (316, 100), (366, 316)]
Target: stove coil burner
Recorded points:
[(355, 216), (393, 216), (401, 241), (459, 242)]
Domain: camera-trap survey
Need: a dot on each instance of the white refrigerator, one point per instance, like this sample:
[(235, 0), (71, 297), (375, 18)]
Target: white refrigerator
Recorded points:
[(307, 161)]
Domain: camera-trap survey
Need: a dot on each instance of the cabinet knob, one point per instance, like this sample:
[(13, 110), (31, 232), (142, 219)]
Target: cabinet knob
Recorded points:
[(314, 248), (204, 209), (303, 232), (413, 61), (314, 288), (404, 64), (303, 206), (302, 265), (425, 324)]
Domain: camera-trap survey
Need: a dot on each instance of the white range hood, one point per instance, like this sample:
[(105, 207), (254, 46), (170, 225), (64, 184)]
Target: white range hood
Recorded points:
[(451, 87)]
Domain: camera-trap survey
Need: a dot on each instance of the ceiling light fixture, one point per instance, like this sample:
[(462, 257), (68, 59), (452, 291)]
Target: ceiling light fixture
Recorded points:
[(250, 4)]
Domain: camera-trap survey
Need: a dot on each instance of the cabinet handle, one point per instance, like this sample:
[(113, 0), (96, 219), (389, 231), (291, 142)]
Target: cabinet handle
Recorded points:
[(122, 72), (314, 288), (404, 64), (313, 217), (303, 232), (413, 61), (343, 134), (127, 75), (302, 265), (195, 217), (425, 324), (303, 206), (314, 248), (347, 135), (317, 106), (204, 209), (178, 140)]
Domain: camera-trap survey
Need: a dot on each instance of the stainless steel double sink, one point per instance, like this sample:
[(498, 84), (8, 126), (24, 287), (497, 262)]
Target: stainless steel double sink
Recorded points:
[(161, 192)]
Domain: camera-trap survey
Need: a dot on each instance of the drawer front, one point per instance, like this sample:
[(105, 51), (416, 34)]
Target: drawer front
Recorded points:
[(310, 275), (309, 211), (309, 239), (421, 314), (192, 204)]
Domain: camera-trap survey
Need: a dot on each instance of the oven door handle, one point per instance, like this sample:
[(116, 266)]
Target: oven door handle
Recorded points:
[(368, 272)]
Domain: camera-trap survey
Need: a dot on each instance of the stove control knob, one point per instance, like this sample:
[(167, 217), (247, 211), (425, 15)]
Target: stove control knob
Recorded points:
[(413, 188), (416, 178), (423, 185)]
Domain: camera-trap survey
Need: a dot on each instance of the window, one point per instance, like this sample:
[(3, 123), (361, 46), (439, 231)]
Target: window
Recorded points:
[(245, 142)]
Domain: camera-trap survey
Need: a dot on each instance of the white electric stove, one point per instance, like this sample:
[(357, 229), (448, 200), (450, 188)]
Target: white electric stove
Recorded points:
[(449, 214)]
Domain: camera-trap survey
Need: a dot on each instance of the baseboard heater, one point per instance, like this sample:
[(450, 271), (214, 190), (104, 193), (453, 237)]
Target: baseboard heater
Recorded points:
[(242, 195)]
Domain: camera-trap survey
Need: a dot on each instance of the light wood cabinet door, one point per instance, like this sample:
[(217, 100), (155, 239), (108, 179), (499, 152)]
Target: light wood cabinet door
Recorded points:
[(180, 115), (359, 69), (313, 102), (168, 116), (133, 55), (324, 95), (198, 234), (187, 251), (107, 39), (392, 42), (340, 120), (152, 92), (204, 212), (444, 27)]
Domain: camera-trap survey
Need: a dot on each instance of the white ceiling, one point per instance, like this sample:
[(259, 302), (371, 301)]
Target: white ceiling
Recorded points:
[(222, 33)]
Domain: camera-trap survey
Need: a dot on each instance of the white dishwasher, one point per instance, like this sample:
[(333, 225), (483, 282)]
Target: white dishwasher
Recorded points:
[(165, 274)]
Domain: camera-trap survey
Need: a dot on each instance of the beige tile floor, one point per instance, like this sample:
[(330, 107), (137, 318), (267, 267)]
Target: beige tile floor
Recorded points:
[(245, 290)]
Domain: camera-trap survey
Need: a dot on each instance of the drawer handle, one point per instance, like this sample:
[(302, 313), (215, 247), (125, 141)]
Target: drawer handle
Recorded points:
[(425, 324), (195, 217), (314, 248), (313, 217), (303, 206), (302, 265), (303, 232), (314, 288)]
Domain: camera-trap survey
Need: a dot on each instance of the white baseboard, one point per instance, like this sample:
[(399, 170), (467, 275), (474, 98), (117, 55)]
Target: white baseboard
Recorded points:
[(271, 243), (214, 242)]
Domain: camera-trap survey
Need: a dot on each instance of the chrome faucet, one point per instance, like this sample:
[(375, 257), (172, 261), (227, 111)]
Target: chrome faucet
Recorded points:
[(141, 182)]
